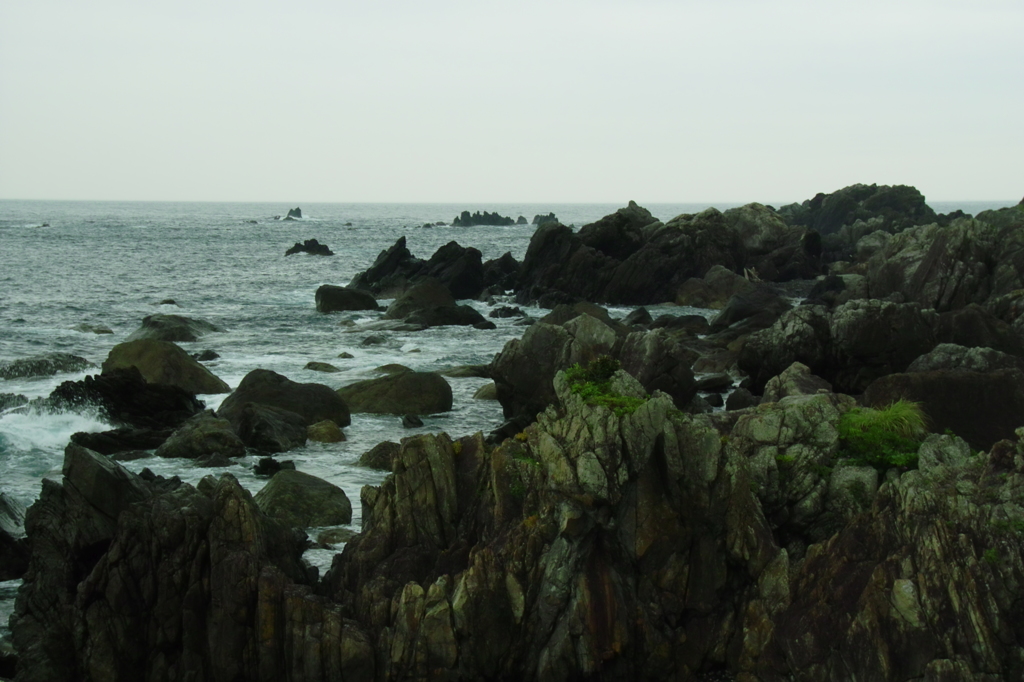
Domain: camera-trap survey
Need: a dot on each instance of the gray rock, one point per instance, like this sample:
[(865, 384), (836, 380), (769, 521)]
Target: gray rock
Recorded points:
[(312, 402), (399, 394), (794, 380), (173, 328), (953, 356), (380, 456), (43, 365)]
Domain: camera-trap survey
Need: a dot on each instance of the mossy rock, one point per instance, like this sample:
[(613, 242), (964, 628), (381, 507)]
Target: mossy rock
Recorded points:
[(304, 501), (400, 394)]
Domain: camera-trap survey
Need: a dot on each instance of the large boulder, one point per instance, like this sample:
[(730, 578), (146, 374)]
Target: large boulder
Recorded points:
[(714, 290), (501, 272), (121, 440), (173, 328), (162, 362), (270, 429), (125, 399), (300, 500), (980, 407), (331, 298), (43, 365), (202, 436), (312, 402), (449, 315), (401, 393), (427, 294), (458, 268), (391, 272)]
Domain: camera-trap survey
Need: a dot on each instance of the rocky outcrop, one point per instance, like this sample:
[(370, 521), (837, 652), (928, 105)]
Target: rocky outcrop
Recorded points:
[(121, 440), (660, 363), (459, 269), (714, 290), (270, 429), (299, 500), (173, 328), (125, 399), (14, 549), (132, 581), (310, 246), (430, 304), (501, 273), (892, 207), (294, 214), (331, 298), (401, 393), (540, 219), (162, 362), (43, 366), (465, 219), (629, 258), (312, 402), (951, 356)]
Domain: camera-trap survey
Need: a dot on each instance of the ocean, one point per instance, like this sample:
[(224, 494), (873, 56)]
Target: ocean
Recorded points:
[(64, 264)]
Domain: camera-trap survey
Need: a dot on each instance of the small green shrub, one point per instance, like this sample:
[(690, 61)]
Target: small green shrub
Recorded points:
[(883, 438), (593, 384)]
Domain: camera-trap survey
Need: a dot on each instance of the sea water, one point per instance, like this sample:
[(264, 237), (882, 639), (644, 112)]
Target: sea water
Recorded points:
[(109, 264)]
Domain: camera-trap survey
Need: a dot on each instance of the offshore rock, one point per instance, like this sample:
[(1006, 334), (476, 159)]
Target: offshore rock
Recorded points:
[(294, 214), (465, 219), (331, 298), (401, 393), (173, 328), (459, 269), (310, 246), (162, 362), (43, 365), (312, 402)]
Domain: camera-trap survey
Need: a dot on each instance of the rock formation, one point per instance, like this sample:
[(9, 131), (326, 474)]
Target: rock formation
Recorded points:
[(310, 246)]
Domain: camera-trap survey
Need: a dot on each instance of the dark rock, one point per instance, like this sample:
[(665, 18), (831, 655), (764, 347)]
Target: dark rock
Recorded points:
[(121, 440), (544, 219), (760, 305), (294, 214), (380, 456), (374, 340), (299, 500), (325, 432), (206, 356), (953, 357), (345, 355), (691, 324), (43, 365), (441, 316), (9, 400), (640, 317), (486, 392), (974, 327), (203, 436), (740, 399), (427, 294), (459, 269), (485, 218), (980, 407), (392, 271), (92, 329), (502, 272), (564, 312), (411, 421), (14, 549), (268, 466), (714, 383), (507, 311), (794, 380), (463, 371), (898, 206), (162, 362), (310, 246), (173, 328), (125, 399), (660, 363), (399, 394), (330, 298), (714, 400), (269, 429), (312, 402), (322, 367), (335, 536), (714, 290)]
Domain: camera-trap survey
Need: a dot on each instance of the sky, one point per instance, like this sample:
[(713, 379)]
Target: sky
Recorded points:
[(553, 101)]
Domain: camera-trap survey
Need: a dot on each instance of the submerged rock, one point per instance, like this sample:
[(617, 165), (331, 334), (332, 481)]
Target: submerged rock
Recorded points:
[(43, 365), (173, 328), (310, 246)]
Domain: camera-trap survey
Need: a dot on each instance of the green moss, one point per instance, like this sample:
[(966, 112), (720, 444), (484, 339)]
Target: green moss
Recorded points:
[(883, 438), (593, 384), (990, 557)]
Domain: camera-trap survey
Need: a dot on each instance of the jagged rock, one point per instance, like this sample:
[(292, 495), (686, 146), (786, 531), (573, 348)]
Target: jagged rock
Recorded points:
[(459, 269), (714, 383), (453, 315), (162, 362), (502, 272), (310, 246), (203, 436), (425, 295), (299, 500), (507, 311), (465, 219), (542, 219), (121, 440), (639, 317), (125, 399), (714, 290), (690, 324), (401, 393), (794, 380), (980, 407), (380, 456), (43, 365), (740, 399), (9, 400), (312, 402), (294, 214), (951, 356), (184, 584), (390, 272), (14, 550), (173, 328), (325, 432), (898, 206), (660, 363), (973, 326), (331, 298)]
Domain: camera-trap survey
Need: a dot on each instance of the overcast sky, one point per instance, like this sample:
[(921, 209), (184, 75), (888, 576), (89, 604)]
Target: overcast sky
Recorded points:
[(554, 101)]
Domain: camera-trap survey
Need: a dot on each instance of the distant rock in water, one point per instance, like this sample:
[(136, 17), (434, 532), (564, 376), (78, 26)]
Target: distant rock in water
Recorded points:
[(543, 219), (294, 214), (521, 220), (311, 246), (485, 218)]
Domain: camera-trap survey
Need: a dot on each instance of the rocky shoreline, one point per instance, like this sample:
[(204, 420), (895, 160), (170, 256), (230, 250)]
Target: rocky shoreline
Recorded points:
[(616, 527)]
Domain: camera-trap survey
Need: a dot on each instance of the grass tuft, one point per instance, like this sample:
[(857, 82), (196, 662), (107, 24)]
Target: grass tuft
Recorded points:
[(884, 438), (593, 384)]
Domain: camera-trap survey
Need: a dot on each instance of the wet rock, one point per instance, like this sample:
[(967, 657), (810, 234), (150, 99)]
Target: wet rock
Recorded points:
[(331, 298), (302, 501), (486, 392), (162, 362), (121, 440), (310, 246), (322, 367), (43, 366), (714, 383), (173, 328), (690, 324), (312, 402), (269, 429), (428, 294), (411, 421), (92, 329), (380, 456), (206, 356), (399, 394), (502, 272), (640, 316), (9, 400), (203, 436), (506, 311), (463, 371), (741, 399), (268, 466), (455, 315), (294, 214), (760, 306), (325, 431)]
